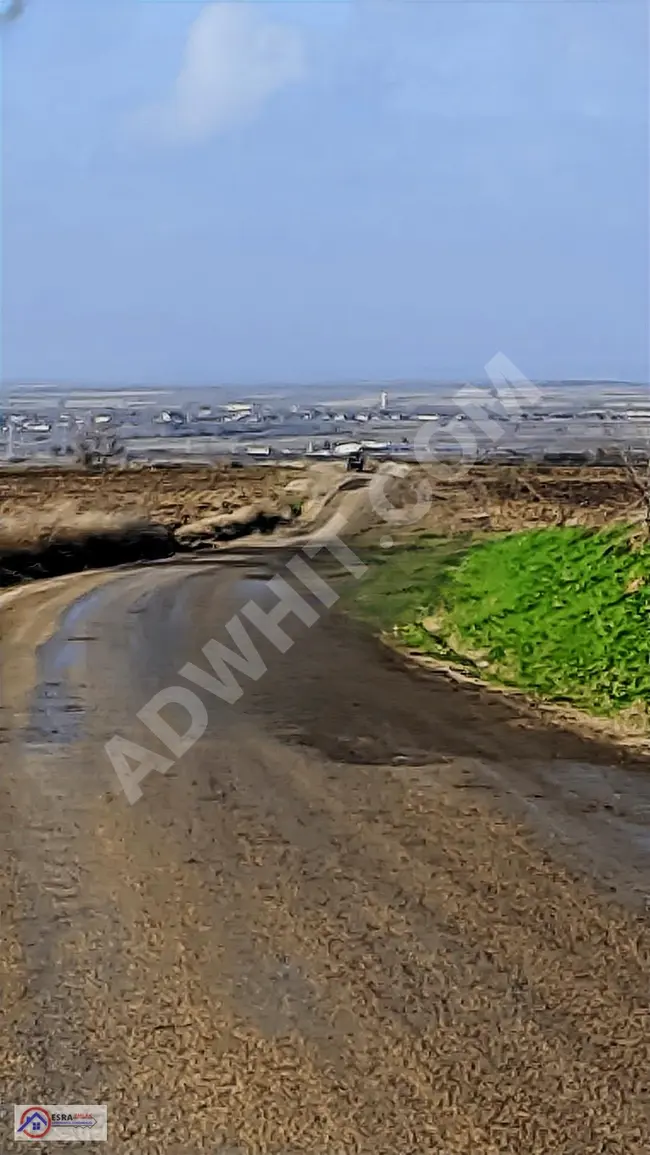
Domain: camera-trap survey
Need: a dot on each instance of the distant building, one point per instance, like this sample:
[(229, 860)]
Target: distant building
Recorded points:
[(347, 447), (383, 400), (37, 426), (170, 417)]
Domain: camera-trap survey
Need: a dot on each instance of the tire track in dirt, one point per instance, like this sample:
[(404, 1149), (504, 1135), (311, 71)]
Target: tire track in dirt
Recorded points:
[(494, 958)]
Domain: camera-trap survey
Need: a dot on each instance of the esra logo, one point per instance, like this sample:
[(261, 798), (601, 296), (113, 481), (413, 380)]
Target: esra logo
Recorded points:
[(34, 1123)]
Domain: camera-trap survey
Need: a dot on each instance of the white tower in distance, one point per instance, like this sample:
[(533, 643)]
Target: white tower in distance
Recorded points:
[(383, 400)]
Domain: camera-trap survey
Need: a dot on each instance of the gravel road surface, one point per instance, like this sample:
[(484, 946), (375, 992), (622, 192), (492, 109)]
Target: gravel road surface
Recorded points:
[(367, 911)]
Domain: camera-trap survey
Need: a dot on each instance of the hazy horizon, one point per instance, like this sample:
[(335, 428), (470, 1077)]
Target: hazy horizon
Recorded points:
[(395, 387)]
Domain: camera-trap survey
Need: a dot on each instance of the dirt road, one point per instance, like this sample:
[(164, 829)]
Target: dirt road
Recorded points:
[(368, 911)]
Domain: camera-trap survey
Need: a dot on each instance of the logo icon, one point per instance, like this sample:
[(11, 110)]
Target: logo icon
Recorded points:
[(61, 1122), (34, 1123)]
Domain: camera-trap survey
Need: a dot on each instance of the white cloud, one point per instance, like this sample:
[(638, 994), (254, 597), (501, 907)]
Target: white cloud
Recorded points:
[(232, 63)]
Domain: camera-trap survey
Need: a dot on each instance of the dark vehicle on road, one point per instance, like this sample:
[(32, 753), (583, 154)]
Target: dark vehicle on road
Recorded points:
[(356, 462)]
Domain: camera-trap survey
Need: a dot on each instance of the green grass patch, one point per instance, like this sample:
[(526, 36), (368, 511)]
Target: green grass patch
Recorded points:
[(403, 586), (562, 612)]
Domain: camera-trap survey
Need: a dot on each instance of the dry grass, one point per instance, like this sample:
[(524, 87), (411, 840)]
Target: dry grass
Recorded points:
[(54, 521), (502, 498), (62, 523), (486, 496), (63, 539), (169, 496), (199, 506)]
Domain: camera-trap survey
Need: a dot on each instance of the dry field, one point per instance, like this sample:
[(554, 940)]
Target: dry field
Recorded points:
[(55, 521), (506, 497), (51, 520), (177, 496), (167, 496)]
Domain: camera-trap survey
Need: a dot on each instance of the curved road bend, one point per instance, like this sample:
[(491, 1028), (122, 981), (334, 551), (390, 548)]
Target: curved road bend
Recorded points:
[(368, 911)]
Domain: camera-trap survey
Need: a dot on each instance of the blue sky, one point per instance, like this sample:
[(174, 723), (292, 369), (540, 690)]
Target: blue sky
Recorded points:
[(261, 192)]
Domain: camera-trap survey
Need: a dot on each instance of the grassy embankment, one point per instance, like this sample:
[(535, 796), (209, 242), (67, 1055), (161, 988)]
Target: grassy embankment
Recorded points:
[(562, 613)]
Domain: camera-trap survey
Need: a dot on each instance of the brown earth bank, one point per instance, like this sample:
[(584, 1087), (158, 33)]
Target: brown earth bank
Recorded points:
[(56, 521), (70, 552)]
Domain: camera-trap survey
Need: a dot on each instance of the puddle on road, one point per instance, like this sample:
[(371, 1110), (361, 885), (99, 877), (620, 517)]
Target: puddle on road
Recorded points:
[(254, 588), (57, 707), (82, 607)]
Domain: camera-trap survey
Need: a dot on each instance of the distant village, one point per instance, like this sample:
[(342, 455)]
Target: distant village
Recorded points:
[(147, 425), (255, 429)]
